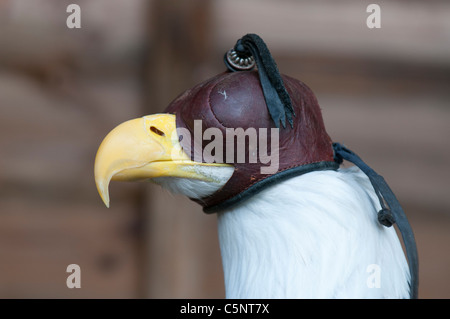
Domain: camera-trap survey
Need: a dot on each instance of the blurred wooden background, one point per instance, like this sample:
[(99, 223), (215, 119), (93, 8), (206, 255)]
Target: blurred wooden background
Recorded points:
[(384, 92)]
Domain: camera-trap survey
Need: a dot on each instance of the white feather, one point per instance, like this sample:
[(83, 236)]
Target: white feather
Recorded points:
[(312, 236), (195, 188)]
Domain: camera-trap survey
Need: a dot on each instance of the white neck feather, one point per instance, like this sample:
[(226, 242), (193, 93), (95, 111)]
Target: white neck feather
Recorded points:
[(312, 236), (216, 177)]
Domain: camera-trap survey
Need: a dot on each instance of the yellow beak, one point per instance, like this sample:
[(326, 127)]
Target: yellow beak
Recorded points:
[(140, 149)]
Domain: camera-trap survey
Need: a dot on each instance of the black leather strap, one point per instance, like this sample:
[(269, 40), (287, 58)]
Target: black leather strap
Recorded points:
[(390, 213), (277, 98), (269, 181)]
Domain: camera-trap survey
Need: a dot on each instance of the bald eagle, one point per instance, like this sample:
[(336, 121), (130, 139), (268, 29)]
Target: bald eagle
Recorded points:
[(310, 228)]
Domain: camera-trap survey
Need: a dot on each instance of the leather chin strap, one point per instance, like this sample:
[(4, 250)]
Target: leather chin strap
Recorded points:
[(267, 182)]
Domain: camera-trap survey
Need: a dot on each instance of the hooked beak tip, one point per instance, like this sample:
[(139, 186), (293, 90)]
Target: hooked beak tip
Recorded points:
[(102, 188), (105, 198)]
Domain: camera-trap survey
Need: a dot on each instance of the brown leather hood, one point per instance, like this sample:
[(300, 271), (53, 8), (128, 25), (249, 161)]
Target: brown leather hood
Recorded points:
[(235, 100)]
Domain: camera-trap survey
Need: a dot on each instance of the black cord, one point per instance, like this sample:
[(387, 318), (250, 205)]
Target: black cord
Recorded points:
[(387, 216), (275, 94)]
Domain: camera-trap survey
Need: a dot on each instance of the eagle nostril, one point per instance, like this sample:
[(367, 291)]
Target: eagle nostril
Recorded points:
[(157, 131)]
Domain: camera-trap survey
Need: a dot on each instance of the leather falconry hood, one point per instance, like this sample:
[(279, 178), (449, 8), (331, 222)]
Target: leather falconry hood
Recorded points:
[(237, 100), (261, 100)]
